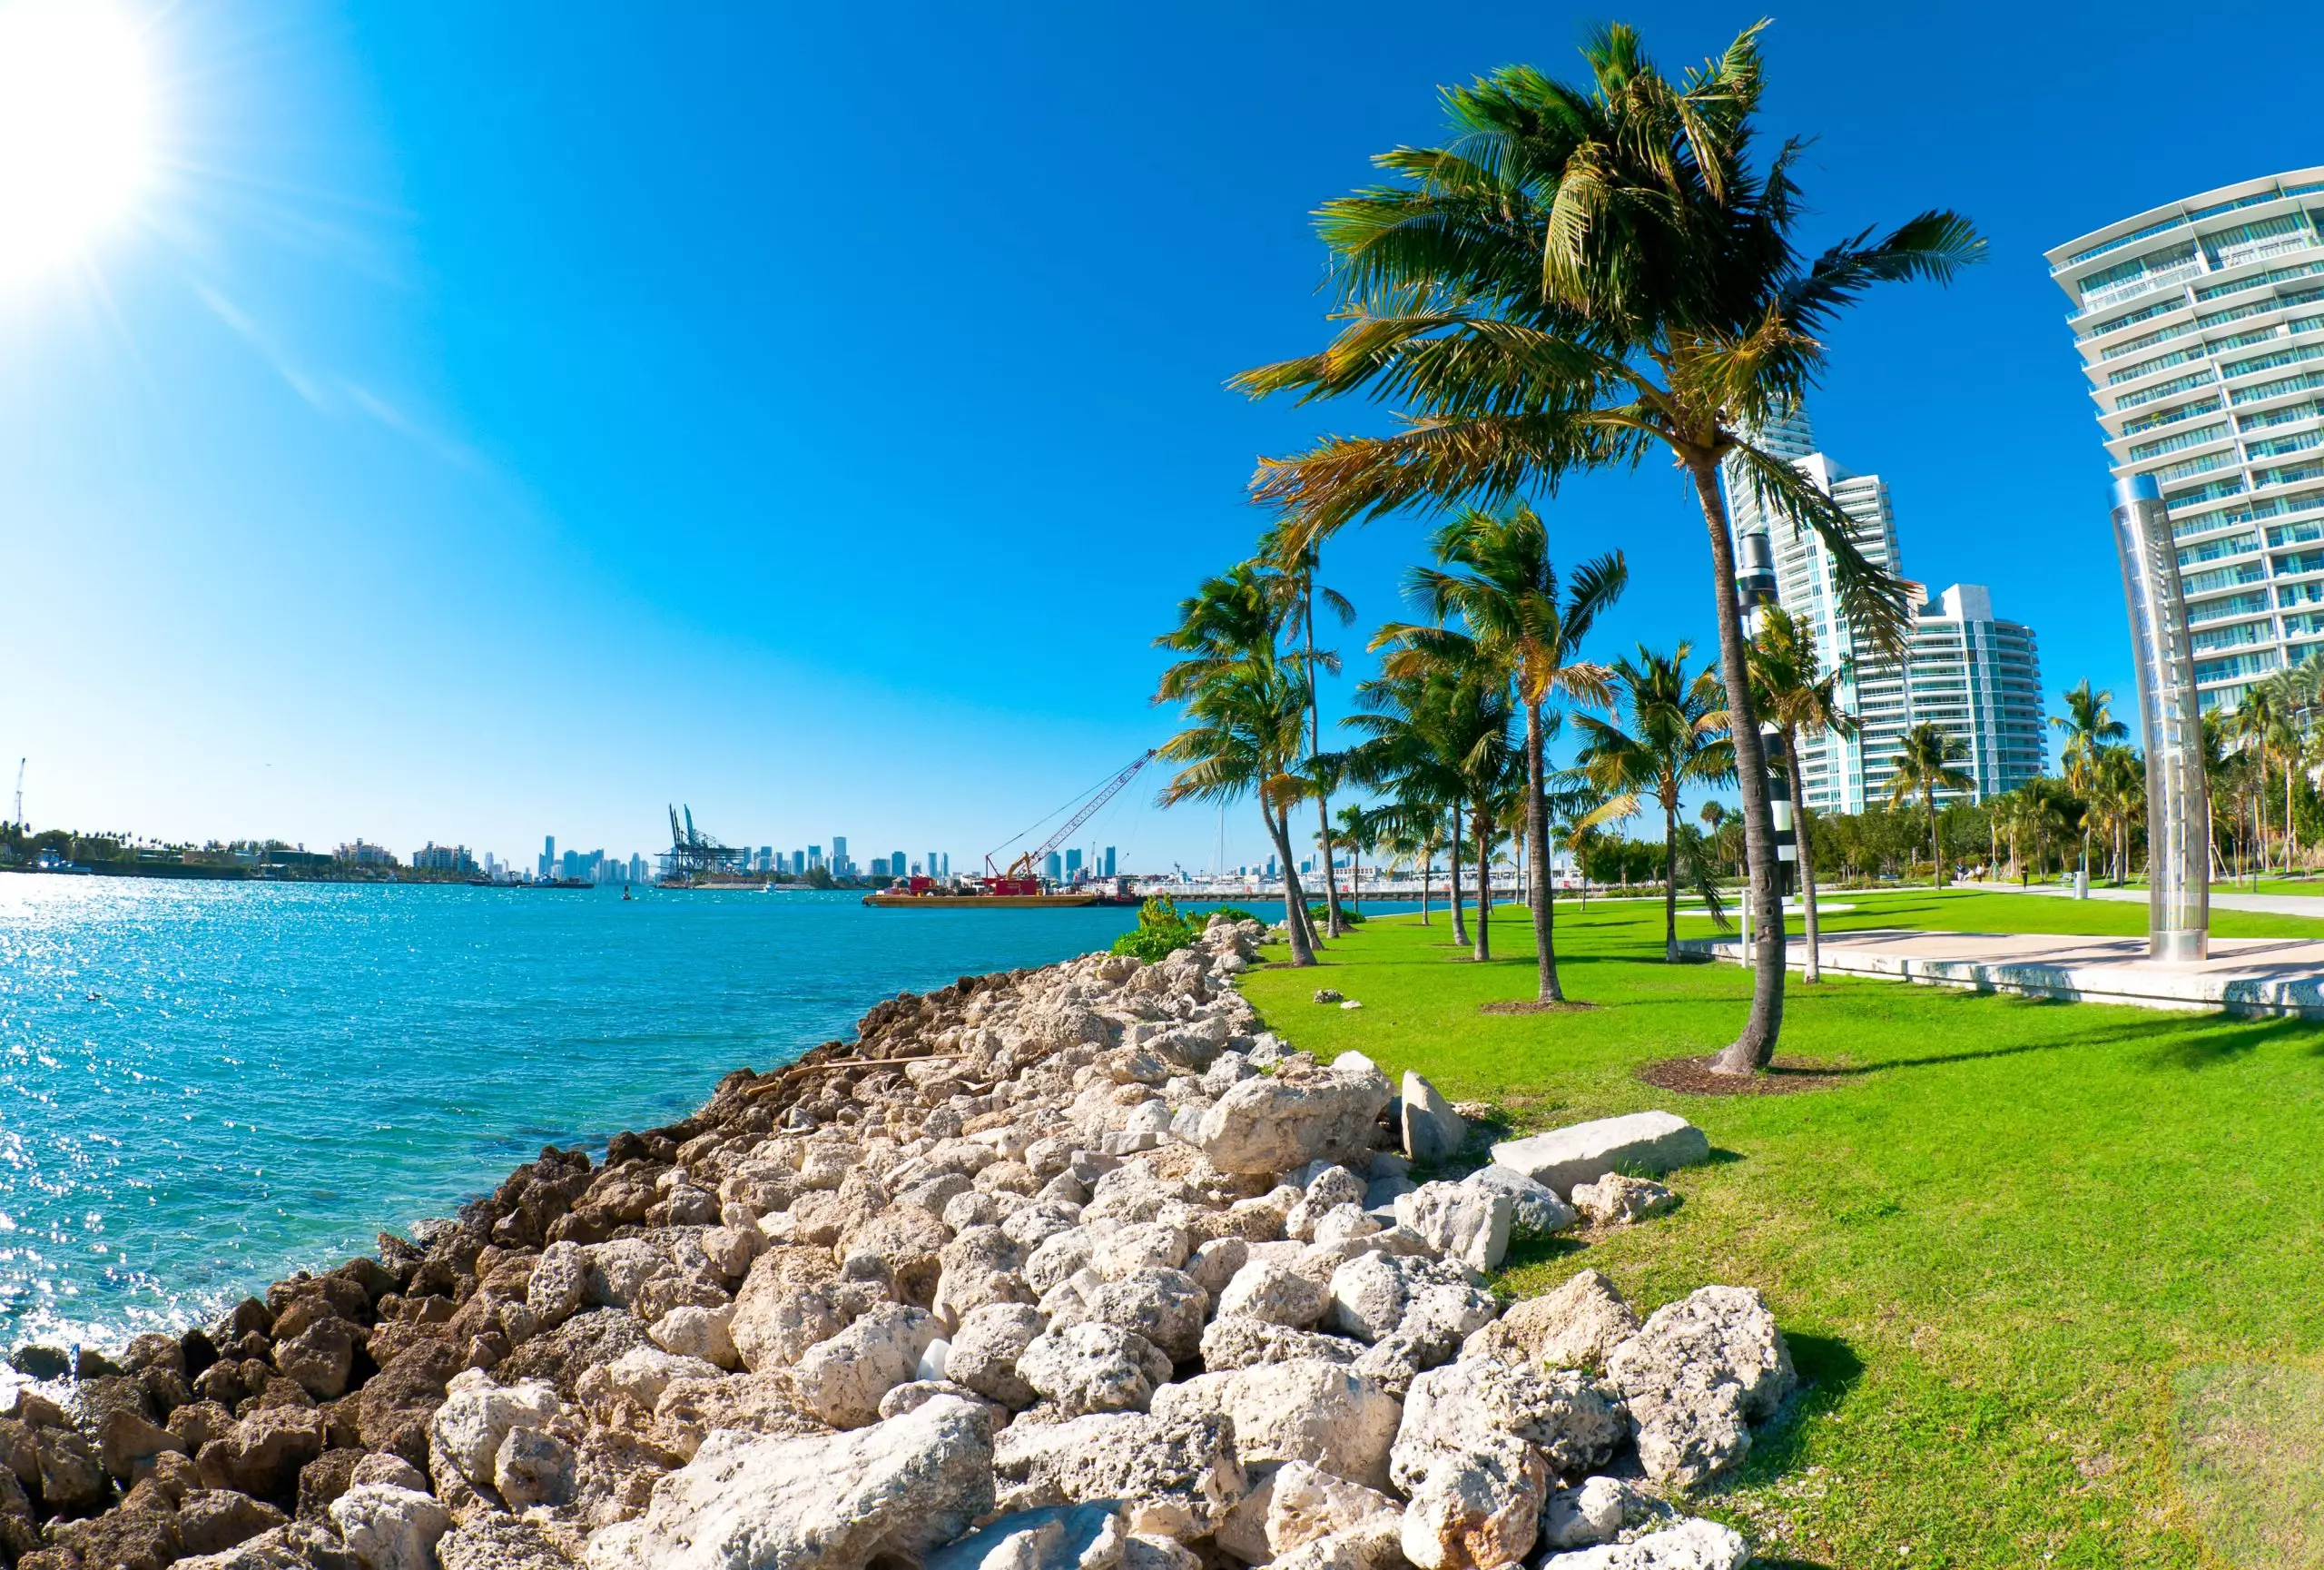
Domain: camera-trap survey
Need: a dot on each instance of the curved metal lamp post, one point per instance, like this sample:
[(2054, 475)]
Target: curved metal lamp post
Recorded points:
[(2178, 803)]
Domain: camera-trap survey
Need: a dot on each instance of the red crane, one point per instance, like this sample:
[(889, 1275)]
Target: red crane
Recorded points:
[(1023, 877)]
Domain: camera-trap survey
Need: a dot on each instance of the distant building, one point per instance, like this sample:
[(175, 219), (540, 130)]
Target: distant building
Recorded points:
[(2198, 327), (840, 866), (1053, 867), (1109, 862), (814, 857), (879, 866), (895, 863), (362, 853), (1072, 864), (548, 857), (432, 857), (766, 858), (1975, 677)]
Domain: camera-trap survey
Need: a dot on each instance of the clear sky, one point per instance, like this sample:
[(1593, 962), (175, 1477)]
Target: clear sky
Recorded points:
[(493, 420)]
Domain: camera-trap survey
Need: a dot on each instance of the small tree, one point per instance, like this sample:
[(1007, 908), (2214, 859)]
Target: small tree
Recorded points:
[(1924, 764)]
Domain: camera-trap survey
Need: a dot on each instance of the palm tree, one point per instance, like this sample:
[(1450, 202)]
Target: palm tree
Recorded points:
[(2089, 725), (1295, 562), (1924, 764), (1792, 694), (1677, 738), (1581, 274), (1361, 830), (2117, 793), (1410, 750), (1245, 700), (1496, 579)]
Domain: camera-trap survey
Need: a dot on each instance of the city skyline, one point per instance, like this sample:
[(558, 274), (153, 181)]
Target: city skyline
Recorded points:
[(332, 396)]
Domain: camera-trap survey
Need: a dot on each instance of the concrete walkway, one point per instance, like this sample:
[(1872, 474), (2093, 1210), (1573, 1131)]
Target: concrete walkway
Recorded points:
[(2263, 904), (2259, 976)]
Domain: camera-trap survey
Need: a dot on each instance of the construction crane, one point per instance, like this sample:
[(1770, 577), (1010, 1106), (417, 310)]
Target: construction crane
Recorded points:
[(694, 853), (1023, 877)]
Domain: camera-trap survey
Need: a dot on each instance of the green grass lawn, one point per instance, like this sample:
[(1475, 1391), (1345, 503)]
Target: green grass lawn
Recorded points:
[(2050, 1268)]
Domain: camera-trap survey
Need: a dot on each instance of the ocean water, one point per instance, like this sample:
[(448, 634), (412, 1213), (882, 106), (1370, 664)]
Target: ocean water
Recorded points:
[(205, 1086)]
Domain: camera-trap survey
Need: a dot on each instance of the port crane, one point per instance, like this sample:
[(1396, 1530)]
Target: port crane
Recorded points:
[(694, 853), (1023, 877)]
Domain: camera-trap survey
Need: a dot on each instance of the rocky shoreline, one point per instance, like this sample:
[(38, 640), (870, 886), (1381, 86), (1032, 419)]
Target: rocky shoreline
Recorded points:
[(1076, 1267)]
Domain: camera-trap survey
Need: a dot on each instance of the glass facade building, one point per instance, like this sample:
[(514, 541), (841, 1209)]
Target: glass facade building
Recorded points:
[(2201, 327), (1975, 675)]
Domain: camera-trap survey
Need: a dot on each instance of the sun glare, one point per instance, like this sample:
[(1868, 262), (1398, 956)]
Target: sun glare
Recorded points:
[(75, 127)]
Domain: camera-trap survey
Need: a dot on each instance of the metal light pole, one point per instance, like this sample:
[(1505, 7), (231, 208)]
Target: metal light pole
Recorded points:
[(2178, 803)]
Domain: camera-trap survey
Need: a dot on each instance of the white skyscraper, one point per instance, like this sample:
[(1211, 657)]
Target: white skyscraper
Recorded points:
[(2201, 328), (1978, 678)]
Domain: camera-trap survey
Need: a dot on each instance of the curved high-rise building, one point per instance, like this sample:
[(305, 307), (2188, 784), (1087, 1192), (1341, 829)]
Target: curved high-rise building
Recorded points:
[(2201, 328)]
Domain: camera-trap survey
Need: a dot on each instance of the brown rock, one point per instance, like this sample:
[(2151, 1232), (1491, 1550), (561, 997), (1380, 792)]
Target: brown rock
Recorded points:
[(260, 1455), (320, 1356), (406, 1391), (72, 1473), (324, 1480), (195, 1424), (212, 1520), (123, 1540)]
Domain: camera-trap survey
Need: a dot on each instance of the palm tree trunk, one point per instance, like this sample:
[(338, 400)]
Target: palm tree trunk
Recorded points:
[(1460, 922), (1295, 902), (2291, 832), (1936, 852), (1481, 827), (1670, 882), (1537, 857), (1813, 971), (1427, 865), (1749, 1052)]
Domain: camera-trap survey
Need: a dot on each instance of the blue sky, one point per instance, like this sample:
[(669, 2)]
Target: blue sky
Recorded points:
[(506, 419)]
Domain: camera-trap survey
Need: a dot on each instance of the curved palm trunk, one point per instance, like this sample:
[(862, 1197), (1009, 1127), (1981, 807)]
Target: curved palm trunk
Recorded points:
[(1295, 902), (1459, 922), (1481, 825), (1671, 881), (1807, 863), (1936, 851), (1537, 859), (1752, 1051)]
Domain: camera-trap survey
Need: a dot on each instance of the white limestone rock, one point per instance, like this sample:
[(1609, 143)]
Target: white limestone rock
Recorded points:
[(1573, 1326), (1307, 1410), (1460, 1222), (477, 1416), (1535, 1209), (1094, 1366), (390, 1528), (898, 1489), (1641, 1141), (1272, 1125), (1175, 1476), (1575, 1423), (1692, 1544), (840, 1381), (1477, 1507), (1696, 1375), (1615, 1200), (1270, 1290), (1433, 1133)]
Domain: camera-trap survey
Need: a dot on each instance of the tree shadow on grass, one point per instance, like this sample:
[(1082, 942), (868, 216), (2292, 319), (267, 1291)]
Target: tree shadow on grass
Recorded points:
[(1525, 1252)]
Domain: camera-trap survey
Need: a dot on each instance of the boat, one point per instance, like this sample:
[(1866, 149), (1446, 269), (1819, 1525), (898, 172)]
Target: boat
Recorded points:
[(907, 900)]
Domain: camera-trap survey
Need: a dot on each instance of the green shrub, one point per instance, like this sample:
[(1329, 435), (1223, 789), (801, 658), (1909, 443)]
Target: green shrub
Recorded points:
[(1348, 914), (1236, 913), (1160, 932)]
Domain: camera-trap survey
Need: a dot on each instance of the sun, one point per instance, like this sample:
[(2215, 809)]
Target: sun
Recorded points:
[(75, 129)]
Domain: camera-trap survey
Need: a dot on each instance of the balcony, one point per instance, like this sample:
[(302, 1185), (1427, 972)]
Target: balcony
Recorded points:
[(2114, 294), (2261, 250)]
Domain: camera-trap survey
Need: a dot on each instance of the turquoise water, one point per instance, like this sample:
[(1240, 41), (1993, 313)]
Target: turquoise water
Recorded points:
[(203, 1086)]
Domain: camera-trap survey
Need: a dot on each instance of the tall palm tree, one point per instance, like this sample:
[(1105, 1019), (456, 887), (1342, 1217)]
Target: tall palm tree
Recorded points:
[(2118, 786), (1495, 578), (1581, 274), (1924, 763), (1411, 751), (1361, 829), (1245, 701), (1800, 702), (1296, 561), (2089, 724), (1675, 739)]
